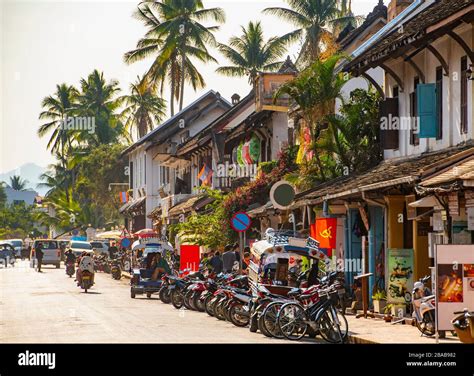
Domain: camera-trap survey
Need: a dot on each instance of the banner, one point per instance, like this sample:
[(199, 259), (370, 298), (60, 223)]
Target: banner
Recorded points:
[(324, 230), (454, 282), (400, 268), (189, 257)]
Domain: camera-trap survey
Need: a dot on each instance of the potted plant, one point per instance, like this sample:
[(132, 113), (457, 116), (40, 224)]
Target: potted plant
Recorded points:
[(380, 301), (388, 313)]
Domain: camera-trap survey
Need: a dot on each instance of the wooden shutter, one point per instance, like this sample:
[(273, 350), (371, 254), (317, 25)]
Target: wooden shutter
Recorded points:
[(389, 110), (427, 110)]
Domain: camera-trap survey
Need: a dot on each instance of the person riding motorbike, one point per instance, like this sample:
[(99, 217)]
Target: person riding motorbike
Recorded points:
[(160, 266), (70, 257), (85, 263)]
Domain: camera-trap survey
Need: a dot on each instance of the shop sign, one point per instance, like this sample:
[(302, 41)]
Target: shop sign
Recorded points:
[(400, 267), (454, 276)]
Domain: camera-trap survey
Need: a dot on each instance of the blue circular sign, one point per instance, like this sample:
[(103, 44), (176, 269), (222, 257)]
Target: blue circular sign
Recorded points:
[(240, 222), (125, 242)]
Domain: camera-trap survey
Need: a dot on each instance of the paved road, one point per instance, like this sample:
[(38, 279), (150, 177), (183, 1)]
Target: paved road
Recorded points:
[(48, 308)]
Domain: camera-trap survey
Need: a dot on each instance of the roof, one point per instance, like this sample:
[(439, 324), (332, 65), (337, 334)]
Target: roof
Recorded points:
[(184, 206), (399, 39), (349, 34), (460, 171), (386, 174), (172, 120)]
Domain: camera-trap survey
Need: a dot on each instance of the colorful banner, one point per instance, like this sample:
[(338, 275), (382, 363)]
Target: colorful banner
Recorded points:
[(205, 175), (454, 282), (189, 257), (324, 230), (400, 267)]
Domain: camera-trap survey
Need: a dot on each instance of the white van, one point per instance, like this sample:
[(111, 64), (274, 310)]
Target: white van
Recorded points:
[(79, 246), (51, 250)]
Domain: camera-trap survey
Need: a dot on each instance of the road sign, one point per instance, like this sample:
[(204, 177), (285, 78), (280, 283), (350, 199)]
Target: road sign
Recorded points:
[(240, 222), (125, 243), (282, 195)]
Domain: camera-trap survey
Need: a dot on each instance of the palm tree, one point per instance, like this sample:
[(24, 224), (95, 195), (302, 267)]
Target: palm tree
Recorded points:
[(3, 195), (315, 91), (98, 100), (317, 22), (56, 109), (250, 54), (176, 34), (17, 183), (144, 110)]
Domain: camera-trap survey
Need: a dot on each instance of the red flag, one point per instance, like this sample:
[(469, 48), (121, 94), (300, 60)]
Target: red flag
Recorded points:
[(324, 231)]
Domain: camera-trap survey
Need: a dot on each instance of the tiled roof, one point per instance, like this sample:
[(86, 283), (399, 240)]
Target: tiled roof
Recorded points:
[(412, 31), (385, 174)]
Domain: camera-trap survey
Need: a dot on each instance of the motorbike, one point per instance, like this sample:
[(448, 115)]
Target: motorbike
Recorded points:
[(423, 303), (70, 268), (115, 269), (86, 282), (463, 324)]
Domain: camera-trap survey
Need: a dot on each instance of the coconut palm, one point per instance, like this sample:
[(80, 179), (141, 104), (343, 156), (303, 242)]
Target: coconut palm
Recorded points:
[(144, 110), (176, 34), (317, 22), (98, 100), (56, 109), (315, 91), (250, 54), (17, 183)]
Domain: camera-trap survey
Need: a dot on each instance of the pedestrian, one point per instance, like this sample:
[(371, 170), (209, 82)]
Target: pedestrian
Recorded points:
[(246, 260), (228, 259), (237, 252), (216, 263), (39, 255), (113, 250)]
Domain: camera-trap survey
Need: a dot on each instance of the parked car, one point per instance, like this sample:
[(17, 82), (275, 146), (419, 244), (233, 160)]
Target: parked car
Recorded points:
[(17, 244), (7, 254), (78, 246), (100, 246), (51, 250)]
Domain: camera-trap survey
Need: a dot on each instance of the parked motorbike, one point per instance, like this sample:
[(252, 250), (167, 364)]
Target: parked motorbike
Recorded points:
[(464, 326), (423, 303)]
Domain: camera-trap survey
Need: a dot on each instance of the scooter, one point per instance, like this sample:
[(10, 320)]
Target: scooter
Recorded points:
[(423, 303), (86, 282), (115, 269), (70, 270)]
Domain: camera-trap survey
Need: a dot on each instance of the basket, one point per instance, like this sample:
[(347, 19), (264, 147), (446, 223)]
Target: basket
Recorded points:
[(464, 327)]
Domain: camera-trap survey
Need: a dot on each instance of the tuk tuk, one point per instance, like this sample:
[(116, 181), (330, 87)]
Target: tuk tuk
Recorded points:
[(272, 258), (141, 282)]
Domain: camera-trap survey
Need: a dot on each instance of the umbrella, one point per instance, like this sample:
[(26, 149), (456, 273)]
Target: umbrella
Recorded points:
[(114, 234)]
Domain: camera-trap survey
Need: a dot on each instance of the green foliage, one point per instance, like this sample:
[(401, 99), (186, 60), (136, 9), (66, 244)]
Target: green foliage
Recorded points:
[(17, 183), (209, 229), (16, 221), (3, 195), (379, 295), (250, 54)]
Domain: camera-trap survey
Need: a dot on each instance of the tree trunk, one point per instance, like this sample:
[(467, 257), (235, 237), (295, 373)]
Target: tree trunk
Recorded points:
[(181, 93), (172, 92)]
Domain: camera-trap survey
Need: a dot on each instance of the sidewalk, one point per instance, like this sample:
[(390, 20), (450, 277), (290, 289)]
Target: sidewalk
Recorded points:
[(372, 331)]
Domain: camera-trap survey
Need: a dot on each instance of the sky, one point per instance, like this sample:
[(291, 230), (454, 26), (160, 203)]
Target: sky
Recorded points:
[(45, 43)]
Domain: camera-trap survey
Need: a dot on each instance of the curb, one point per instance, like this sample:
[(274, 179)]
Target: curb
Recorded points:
[(355, 340)]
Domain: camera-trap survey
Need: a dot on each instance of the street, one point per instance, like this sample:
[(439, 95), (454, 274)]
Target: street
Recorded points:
[(48, 308)]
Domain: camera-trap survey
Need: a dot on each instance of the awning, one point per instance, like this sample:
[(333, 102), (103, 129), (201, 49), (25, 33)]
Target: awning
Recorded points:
[(168, 160), (183, 207), (114, 234), (388, 173), (463, 170), (426, 202)]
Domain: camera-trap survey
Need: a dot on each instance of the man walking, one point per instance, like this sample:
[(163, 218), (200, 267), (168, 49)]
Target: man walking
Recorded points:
[(216, 263), (39, 255), (113, 250), (228, 259)]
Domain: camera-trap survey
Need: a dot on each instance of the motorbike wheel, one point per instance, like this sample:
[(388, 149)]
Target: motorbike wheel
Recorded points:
[(165, 295), (270, 316), (188, 300), (209, 305), (132, 294), (177, 299), (239, 315), (227, 307), (198, 302), (427, 326), (332, 330), (262, 328), (219, 310), (253, 324)]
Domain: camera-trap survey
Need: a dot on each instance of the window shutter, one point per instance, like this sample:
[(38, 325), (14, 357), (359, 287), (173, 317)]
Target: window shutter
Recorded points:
[(388, 110), (427, 110)]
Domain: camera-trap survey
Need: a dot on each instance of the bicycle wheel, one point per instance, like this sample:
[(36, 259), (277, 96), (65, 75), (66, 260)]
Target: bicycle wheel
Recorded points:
[(333, 326), (292, 321), (269, 321)]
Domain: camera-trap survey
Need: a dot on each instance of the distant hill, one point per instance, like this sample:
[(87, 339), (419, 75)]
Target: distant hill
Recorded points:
[(30, 172)]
